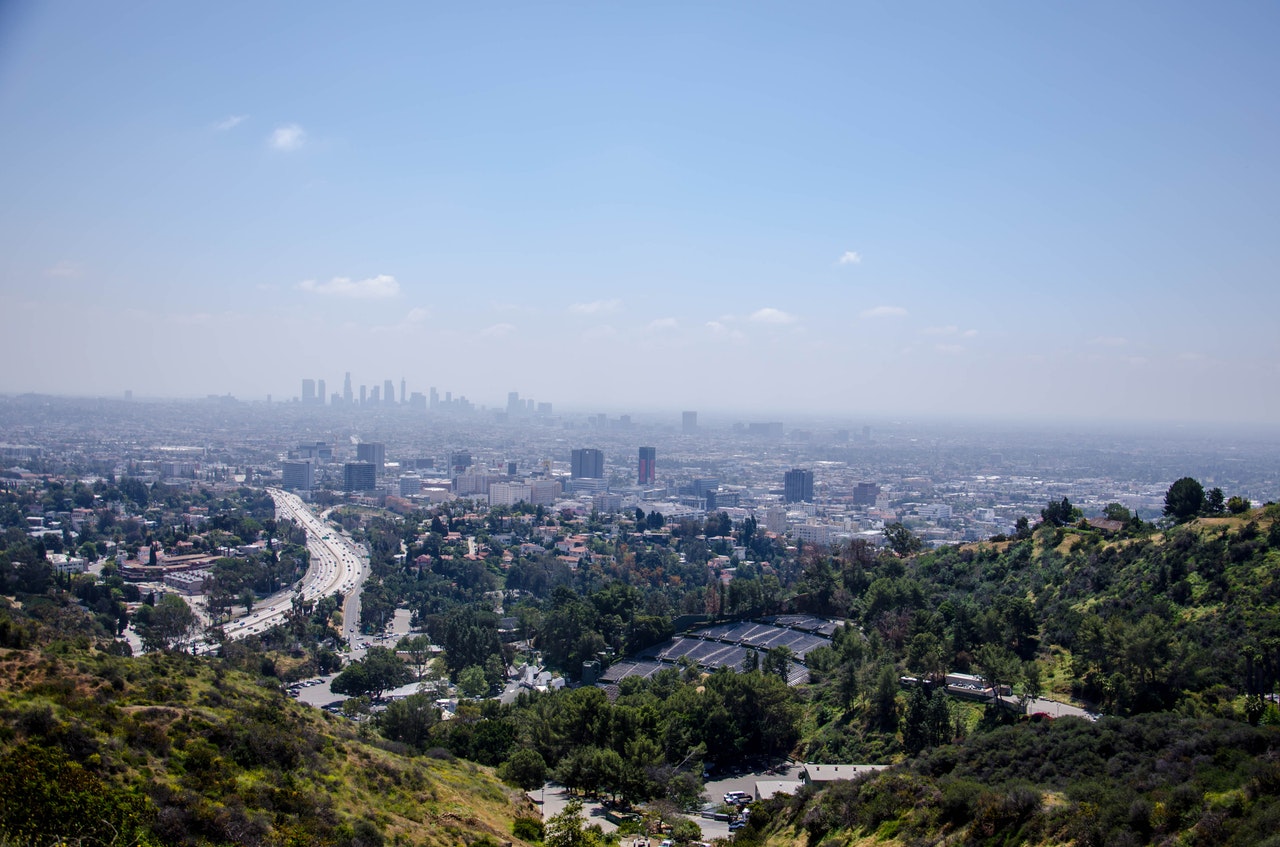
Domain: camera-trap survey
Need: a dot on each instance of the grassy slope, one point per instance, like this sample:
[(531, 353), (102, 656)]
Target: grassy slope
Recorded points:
[(210, 756)]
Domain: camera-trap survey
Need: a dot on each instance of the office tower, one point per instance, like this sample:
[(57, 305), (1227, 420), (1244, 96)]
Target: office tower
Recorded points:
[(298, 475), (418, 401), (388, 392), (359, 476), (308, 392), (511, 468), (587, 463), (375, 396), (320, 392), (373, 452), (865, 494), (797, 486), (347, 396), (404, 397), (514, 406), (689, 422), (647, 470), (435, 398), (459, 460), (363, 395)]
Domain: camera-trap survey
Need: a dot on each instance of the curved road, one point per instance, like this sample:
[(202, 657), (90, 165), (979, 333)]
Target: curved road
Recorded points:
[(338, 566)]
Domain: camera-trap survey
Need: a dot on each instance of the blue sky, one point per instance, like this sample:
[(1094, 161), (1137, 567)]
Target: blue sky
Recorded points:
[(1009, 209)]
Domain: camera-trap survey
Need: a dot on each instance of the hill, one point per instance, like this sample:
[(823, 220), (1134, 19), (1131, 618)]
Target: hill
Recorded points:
[(172, 749), (1174, 635)]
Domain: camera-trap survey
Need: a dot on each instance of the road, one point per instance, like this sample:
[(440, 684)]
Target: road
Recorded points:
[(338, 566)]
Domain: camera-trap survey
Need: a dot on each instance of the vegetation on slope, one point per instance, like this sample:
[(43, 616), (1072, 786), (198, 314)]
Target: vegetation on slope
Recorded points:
[(171, 749)]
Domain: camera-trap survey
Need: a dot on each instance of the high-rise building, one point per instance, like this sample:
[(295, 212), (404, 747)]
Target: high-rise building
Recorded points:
[(374, 452), (797, 486), (308, 392), (404, 395), (375, 396), (364, 395), (647, 471), (587, 463), (689, 422), (347, 396), (388, 392), (865, 494), (434, 397), (298, 475), (320, 395), (459, 461), (359, 476)]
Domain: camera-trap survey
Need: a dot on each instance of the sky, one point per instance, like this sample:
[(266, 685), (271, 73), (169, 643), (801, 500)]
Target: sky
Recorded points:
[(1027, 210)]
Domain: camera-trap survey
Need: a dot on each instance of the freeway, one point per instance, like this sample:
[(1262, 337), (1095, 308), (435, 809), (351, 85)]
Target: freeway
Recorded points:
[(338, 566)]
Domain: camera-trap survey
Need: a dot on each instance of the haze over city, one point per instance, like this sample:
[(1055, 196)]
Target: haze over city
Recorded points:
[(942, 209)]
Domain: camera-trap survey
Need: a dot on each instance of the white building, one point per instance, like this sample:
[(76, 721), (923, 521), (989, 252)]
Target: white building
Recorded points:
[(509, 493)]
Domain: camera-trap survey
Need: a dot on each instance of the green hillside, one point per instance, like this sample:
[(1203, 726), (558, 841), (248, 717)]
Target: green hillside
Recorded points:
[(1173, 635), (172, 749)]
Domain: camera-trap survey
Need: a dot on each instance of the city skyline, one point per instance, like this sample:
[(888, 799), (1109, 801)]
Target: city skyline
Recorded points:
[(1004, 211)]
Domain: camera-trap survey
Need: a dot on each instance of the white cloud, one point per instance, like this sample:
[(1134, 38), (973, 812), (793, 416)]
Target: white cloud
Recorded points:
[(719, 330), (596, 307), (374, 288), (851, 258), (770, 315), (662, 324), (288, 138), (231, 122), (64, 270), (416, 315), (884, 312), (497, 330)]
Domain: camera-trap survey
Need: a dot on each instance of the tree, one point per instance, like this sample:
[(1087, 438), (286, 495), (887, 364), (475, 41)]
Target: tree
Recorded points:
[(777, 661), (525, 769), (1117, 512), (1032, 682), (927, 722), (472, 681), (1022, 528), (997, 667), (410, 720), (1214, 501), (1060, 513), (902, 540), (1238, 505), (380, 670), (1184, 500), (566, 828), (171, 625)]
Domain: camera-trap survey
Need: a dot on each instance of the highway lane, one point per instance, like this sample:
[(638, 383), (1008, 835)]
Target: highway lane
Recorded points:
[(337, 566)]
